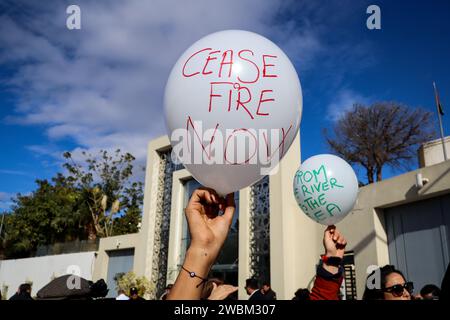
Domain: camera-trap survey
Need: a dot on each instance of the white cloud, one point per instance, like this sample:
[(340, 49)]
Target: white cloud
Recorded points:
[(13, 172), (5, 200), (44, 150), (4, 196), (102, 86), (343, 102)]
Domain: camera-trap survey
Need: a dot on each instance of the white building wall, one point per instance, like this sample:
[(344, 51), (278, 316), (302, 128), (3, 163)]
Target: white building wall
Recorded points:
[(41, 270), (432, 152)]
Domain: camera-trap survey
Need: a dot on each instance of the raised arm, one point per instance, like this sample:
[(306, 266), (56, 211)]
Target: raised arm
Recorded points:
[(329, 273), (208, 232)]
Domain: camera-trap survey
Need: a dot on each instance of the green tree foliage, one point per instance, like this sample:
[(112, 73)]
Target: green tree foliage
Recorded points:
[(94, 198), (125, 281)]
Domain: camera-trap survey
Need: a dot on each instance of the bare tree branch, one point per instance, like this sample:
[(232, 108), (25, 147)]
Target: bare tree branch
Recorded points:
[(385, 133)]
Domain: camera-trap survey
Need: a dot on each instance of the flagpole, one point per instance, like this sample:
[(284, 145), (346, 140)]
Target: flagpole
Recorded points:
[(440, 121)]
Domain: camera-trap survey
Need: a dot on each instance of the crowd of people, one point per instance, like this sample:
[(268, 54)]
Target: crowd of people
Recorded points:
[(209, 219)]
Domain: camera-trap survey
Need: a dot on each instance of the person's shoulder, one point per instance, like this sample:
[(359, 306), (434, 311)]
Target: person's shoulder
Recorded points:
[(20, 297), (14, 297), (257, 296), (272, 295)]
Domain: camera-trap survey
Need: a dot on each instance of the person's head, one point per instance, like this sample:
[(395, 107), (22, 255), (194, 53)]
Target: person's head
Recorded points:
[(208, 287), (121, 291), (251, 285), (430, 292), (392, 285), (301, 295), (134, 293), (25, 288), (265, 287)]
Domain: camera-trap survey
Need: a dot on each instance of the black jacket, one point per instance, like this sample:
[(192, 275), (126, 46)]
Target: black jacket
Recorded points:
[(257, 296), (271, 295), (21, 296)]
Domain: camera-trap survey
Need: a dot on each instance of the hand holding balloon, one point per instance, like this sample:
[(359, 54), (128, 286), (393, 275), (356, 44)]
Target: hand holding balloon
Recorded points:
[(326, 188)]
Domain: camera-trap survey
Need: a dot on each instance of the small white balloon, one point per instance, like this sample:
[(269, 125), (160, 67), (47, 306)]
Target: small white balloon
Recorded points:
[(232, 107), (326, 188)]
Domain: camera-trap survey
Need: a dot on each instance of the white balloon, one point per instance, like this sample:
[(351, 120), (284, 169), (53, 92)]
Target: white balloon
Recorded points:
[(232, 106), (326, 188)]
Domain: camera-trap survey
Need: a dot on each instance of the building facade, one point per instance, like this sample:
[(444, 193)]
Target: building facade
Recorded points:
[(399, 221), (403, 221)]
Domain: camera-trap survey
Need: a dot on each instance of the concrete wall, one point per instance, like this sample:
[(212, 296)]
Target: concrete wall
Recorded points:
[(127, 241), (431, 153), (365, 228), (41, 270)]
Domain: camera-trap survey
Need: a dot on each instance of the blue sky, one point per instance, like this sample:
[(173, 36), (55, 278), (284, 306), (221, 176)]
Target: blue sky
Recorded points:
[(102, 86)]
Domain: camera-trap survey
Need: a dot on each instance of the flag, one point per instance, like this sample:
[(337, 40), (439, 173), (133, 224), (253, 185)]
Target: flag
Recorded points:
[(438, 102)]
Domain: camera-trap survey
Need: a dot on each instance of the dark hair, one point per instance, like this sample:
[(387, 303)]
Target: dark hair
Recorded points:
[(208, 287), (24, 287), (251, 283), (301, 295), (431, 288), (266, 283), (133, 290), (384, 272), (98, 289)]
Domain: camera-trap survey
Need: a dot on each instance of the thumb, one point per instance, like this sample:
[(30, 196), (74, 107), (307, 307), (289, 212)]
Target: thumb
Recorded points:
[(230, 207)]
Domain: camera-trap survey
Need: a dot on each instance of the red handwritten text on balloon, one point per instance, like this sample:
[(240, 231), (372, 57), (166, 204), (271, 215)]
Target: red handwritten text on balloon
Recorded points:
[(231, 90)]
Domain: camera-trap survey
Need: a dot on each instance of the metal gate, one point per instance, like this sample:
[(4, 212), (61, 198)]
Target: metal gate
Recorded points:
[(418, 237)]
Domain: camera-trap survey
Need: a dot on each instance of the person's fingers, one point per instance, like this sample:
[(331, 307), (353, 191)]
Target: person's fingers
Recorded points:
[(200, 195), (336, 234), (329, 231), (215, 198), (230, 289), (343, 242), (340, 241), (222, 291), (226, 290), (212, 211), (208, 197), (230, 200), (340, 238), (197, 206), (230, 208)]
